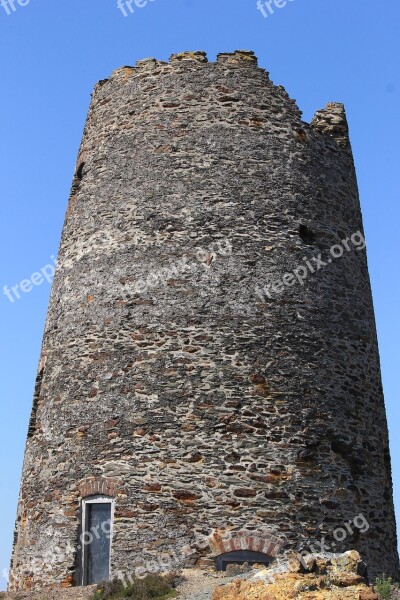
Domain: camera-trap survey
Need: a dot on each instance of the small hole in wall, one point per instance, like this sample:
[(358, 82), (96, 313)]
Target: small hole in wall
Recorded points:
[(77, 179), (79, 173), (306, 234), (301, 135), (36, 398)]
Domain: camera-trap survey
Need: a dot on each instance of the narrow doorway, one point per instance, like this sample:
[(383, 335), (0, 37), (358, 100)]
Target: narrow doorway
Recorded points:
[(97, 515)]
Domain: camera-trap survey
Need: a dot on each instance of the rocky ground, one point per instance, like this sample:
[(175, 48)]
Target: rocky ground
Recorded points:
[(198, 584), (339, 577), (334, 577), (76, 593)]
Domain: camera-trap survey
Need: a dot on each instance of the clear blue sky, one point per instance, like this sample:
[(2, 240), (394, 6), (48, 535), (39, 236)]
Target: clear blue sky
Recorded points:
[(53, 52)]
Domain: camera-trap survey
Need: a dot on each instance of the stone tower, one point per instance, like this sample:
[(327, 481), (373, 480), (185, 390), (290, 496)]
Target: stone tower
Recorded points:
[(209, 384)]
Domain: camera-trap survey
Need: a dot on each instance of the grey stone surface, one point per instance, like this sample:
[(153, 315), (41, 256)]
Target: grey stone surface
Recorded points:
[(202, 408)]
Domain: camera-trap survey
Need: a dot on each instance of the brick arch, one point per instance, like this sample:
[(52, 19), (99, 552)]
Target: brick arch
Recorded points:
[(244, 540), (94, 486)]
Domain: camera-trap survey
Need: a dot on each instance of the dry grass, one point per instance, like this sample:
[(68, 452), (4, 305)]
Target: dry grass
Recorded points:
[(152, 587)]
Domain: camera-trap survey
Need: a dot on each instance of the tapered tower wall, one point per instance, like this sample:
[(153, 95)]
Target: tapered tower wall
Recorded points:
[(220, 405)]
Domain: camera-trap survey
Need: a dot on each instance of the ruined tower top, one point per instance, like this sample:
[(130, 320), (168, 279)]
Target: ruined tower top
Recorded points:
[(332, 119)]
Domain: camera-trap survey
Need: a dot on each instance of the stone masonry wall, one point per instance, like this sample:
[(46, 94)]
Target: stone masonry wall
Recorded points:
[(165, 380)]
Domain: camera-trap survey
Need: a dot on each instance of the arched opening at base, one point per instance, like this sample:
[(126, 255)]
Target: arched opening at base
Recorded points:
[(239, 557)]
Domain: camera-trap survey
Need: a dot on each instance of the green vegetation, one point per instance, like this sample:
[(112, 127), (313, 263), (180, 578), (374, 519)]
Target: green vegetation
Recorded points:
[(384, 587), (152, 587)]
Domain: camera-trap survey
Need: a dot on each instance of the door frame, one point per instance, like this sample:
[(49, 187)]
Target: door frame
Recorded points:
[(85, 504)]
